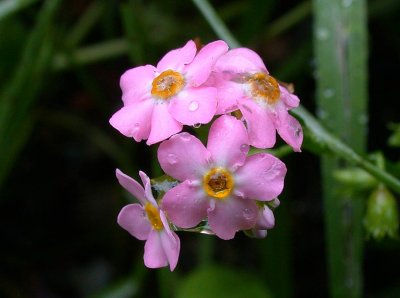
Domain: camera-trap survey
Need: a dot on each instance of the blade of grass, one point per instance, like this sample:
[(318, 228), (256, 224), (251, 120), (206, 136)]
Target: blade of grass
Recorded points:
[(9, 7), (341, 57)]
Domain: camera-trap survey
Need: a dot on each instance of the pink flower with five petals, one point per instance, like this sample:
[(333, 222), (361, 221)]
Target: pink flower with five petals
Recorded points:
[(220, 181), (243, 83), (158, 101), (146, 221)]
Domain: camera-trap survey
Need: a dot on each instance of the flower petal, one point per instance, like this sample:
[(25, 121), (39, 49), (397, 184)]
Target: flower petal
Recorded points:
[(147, 188), (162, 125), (231, 215), (185, 204), (154, 254), (261, 177), (183, 157), (178, 58), (170, 242), (228, 142), (131, 185), (240, 60), (194, 105), (260, 127), (200, 69), (228, 93), (290, 100), (289, 129), (136, 83), (134, 120), (133, 219), (266, 219)]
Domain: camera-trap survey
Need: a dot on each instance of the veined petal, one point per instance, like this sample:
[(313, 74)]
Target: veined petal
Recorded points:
[(185, 204), (154, 254), (178, 58), (194, 105), (183, 157), (240, 60), (134, 120), (131, 185), (231, 215), (133, 219), (136, 83), (228, 142), (260, 127), (261, 177), (200, 69), (289, 129), (162, 125)]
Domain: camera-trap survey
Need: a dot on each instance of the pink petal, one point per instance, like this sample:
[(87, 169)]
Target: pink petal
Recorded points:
[(131, 185), (133, 219), (134, 120), (290, 100), (230, 215), (261, 177), (289, 129), (194, 105), (154, 254), (260, 127), (199, 70), (266, 219), (147, 188), (228, 93), (228, 142), (185, 205), (162, 124), (240, 60), (170, 242), (178, 58), (136, 83), (183, 157)]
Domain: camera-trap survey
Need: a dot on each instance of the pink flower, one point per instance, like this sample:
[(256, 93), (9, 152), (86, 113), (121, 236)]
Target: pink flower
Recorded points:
[(265, 219), (146, 221), (159, 100), (244, 83), (219, 181)]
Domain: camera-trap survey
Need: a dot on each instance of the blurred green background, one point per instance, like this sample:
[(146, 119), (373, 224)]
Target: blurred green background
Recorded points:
[(60, 63)]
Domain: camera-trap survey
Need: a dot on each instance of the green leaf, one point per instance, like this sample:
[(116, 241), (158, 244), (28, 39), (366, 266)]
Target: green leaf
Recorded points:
[(217, 282)]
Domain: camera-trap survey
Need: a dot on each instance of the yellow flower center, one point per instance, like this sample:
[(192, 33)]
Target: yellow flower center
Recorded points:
[(218, 183), (153, 214), (263, 86), (167, 84)]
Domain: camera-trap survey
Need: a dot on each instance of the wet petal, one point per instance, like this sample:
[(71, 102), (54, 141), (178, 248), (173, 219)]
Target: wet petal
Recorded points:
[(134, 120), (178, 58), (240, 60), (228, 142), (290, 100), (261, 177), (289, 129), (231, 215), (170, 242), (185, 205), (136, 83), (194, 105), (183, 157), (260, 127), (162, 125), (133, 219), (131, 185), (154, 254), (200, 69), (228, 93)]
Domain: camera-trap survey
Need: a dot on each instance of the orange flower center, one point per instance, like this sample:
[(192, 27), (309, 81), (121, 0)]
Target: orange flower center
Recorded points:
[(153, 214), (218, 183), (265, 87), (167, 84)]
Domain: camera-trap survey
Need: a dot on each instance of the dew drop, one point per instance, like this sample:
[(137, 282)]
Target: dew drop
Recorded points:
[(193, 106), (244, 148), (196, 125), (172, 159)]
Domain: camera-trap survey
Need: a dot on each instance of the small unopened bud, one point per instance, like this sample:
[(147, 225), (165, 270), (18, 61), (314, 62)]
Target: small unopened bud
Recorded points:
[(382, 216)]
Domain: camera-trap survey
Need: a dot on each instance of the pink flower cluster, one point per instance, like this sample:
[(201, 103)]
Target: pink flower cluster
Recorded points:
[(220, 183)]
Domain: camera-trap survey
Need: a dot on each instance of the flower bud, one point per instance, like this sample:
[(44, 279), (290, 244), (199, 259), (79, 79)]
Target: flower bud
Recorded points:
[(381, 216)]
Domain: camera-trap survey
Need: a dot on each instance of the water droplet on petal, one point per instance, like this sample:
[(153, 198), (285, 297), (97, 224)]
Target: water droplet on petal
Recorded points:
[(193, 106), (244, 148), (197, 125), (172, 159)]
